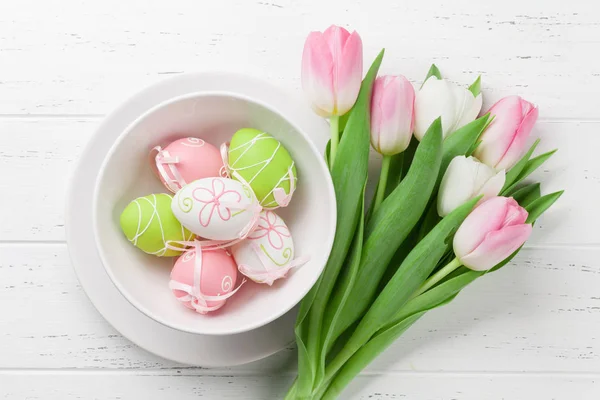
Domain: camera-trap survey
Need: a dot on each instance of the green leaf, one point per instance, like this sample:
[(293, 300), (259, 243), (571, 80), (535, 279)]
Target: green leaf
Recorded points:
[(343, 121), (460, 141), (305, 371), (437, 296), (408, 155), (344, 287), (348, 174), (537, 207), (523, 168), (525, 195), (409, 243), (513, 173), (475, 88), (429, 221), (433, 71), (364, 357), (533, 164), (472, 149), (490, 120), (391, 224), (415, 269)]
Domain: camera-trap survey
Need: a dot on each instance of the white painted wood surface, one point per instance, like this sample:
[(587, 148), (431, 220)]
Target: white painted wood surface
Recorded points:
[(530, 331)]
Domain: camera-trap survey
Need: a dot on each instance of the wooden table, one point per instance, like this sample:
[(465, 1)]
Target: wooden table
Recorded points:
[(531, 331)]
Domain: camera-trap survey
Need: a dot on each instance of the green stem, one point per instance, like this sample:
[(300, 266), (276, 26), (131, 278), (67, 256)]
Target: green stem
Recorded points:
[(383, 177), (338, 362), (353, 346), (438, 276), (321, 390), (334, 123), (291, 394)]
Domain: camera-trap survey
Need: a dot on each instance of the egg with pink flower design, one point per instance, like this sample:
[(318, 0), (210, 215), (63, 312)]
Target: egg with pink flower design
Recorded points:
[(216, 208), (267, 254), (186, 160)]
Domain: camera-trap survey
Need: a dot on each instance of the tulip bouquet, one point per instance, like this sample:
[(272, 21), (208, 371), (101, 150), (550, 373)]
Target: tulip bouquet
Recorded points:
[(451, 204)]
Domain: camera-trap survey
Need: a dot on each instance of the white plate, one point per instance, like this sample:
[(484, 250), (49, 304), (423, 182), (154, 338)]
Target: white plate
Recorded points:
[(182, 347)]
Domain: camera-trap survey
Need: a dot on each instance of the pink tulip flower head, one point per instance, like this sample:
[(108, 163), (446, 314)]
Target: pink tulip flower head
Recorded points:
[(504, 142), (332, 69), (492, 232), (392, 114)]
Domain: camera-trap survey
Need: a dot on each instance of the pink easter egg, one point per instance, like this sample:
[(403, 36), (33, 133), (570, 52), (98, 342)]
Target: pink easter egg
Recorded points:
[(218, 278), (186, 160)]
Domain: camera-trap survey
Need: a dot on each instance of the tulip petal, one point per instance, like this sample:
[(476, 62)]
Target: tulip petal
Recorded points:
[(515, 214), (457, 185), (492, 186), (518, 146), (349, 74), (336, 38), (487, 217), (496, 247), (317, 74), (469, 109), (481, 173), (376, 110), (434, 100), (466, 178), (395, 115), (497, 138)]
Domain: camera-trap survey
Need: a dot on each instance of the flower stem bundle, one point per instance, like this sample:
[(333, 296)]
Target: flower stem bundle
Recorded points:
[(452, 204)]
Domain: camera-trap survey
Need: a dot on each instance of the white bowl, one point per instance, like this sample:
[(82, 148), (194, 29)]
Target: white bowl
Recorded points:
[(126, 174)]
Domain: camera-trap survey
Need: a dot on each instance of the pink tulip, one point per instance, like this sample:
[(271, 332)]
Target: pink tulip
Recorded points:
[(491, 233), (504, 141), (332, 70), (392, 116)]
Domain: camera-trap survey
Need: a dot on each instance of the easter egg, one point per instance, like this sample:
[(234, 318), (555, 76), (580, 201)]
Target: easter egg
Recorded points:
[(186, 160), (267, 253), (197, 278), (149, 224), (264, 163), (216, 208)]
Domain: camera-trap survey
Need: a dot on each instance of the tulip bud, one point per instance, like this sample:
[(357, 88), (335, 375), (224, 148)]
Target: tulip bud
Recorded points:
[(492, 232), (465, 179), (332, 70), (439, 98), (392, 118), (504, 141)]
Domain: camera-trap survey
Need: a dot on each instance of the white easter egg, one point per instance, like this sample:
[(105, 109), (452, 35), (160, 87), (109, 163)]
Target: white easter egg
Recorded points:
[(215, 208), (267, 253)]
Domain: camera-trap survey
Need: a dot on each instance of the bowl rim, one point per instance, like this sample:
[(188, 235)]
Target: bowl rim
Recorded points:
[(330, 197)]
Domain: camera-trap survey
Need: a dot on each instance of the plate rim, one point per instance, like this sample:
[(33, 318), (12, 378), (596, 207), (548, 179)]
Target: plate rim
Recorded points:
[(181, 83)]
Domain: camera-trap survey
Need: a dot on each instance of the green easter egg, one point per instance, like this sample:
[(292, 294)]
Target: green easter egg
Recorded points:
[(149, 223), (263, 162)]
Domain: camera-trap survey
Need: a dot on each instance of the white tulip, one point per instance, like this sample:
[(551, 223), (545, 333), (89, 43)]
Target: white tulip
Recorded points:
[(465, 179), (456, 105)]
